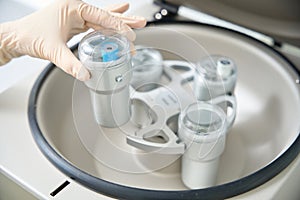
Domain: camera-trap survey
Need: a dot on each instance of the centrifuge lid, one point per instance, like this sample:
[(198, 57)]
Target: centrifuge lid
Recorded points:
[(276, 18)]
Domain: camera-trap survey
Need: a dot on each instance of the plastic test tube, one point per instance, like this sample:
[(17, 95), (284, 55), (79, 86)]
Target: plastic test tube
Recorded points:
[(215, 76), (202, 127), (147, 66), (106, 55)]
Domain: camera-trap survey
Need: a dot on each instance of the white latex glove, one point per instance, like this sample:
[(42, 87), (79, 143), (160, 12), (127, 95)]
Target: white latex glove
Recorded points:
[(44, 34)]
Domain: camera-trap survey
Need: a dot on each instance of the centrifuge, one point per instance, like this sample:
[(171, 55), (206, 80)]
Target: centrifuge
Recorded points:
[(204, 111)]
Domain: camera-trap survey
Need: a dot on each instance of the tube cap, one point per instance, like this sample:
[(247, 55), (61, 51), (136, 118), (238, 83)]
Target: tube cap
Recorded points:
[(103, 47)]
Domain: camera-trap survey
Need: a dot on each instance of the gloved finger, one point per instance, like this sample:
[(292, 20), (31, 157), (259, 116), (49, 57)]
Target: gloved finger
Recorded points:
[(67, 61), (126, 31), (94, 26), (132, 49), (132, 21), (118, 8), (105, 19)]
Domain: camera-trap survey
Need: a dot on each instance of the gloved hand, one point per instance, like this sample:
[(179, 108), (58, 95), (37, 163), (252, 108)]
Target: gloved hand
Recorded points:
[(44, 33)]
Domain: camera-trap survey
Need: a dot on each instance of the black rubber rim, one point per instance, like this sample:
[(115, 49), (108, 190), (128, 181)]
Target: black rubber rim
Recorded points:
[(114, 190)]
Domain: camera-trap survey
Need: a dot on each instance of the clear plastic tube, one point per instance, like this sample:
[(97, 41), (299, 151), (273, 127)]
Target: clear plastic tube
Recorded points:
[(147, 66), (106, 55), (202, 127), (215, 76)]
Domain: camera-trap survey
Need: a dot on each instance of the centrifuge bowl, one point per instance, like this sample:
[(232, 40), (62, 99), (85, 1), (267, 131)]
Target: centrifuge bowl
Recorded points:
[(262, 142)]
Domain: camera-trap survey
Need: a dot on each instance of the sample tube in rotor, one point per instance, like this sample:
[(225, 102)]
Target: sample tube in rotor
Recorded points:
[(106, 55), (147, 66), (202, 127), (215, 76)]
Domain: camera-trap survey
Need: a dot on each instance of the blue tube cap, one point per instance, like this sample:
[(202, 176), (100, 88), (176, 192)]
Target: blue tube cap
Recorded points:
[(109, 51)]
